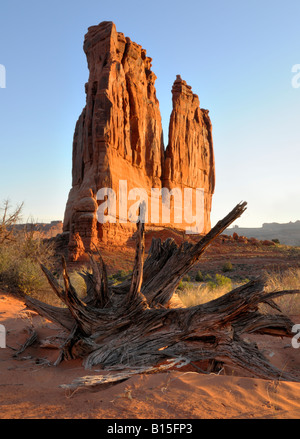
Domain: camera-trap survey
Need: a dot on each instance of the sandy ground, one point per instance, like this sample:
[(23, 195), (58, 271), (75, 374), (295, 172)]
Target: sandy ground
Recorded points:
[(30, 384)]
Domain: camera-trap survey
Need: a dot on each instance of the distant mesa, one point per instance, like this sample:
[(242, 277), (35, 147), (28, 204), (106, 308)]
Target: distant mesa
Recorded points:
[(45, 230), (119, 136), (286, 233)]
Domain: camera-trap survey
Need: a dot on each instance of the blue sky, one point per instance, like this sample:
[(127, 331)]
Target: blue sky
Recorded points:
[(236, 55)]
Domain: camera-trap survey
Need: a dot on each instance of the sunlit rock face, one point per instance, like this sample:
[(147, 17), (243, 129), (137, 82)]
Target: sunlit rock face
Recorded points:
[(118, 144), (189, 156)]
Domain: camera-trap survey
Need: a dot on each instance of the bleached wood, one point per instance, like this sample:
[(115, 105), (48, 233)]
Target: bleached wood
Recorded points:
[(131, 325)]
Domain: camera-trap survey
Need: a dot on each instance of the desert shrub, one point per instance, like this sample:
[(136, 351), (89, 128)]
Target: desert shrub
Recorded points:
[(8, 221), (20, 270), (76, 280), (6, 256), (181, 286), (186, 278), (28, 277), (220, 281), (192, 295), (211, 285), (21, 253), (244, 281), (119, 276), (227, 267), (223, 281), (199, 276), (189, 296), (276, 241)]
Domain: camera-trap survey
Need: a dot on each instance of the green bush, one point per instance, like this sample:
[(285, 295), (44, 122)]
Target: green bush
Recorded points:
[(77, 281), (21, 253), (20, 272), (223, 281), (199, 277), (120, 276), (28, 276), (220, 281), (186, 278), (227, 267), (180, 286), (7, 255), (212, 285)]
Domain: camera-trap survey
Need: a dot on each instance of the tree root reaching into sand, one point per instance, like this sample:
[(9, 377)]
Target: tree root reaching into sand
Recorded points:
[(133, 325)]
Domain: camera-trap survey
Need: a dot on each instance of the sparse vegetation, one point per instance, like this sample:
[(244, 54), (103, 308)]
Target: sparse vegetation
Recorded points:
[(77, 281), (119, 276), (199, 277), (8, 221), (201, 332), (220, 281), (194, 294), (181, 286), (285, 280), (211, 288), (21, 253), (276, 241), (227, 267)]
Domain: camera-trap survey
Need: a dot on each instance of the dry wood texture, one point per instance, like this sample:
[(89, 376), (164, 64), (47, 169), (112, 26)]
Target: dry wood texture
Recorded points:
[(132, 325)]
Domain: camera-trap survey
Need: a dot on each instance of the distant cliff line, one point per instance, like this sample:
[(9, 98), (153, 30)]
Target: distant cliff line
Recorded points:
[(47, 230), (286, 233)]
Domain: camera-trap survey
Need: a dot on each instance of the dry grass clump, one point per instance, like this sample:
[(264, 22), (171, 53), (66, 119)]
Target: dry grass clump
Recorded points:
[(206, 288), (77, 281), (195, 294), (288, 279), (20, 264), (192, 295)]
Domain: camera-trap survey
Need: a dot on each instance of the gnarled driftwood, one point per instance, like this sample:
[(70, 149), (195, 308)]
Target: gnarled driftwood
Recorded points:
[(131, 325)]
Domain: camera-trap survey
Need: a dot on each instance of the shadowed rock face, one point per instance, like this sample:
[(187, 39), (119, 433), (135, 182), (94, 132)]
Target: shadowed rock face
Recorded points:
[(118, 137)]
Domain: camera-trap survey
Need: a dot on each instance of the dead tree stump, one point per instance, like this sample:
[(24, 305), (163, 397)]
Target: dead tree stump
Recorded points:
[(131, 326)]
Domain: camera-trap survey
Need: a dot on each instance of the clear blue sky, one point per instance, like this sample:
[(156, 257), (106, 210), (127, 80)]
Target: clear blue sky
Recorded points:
[(237, 56)]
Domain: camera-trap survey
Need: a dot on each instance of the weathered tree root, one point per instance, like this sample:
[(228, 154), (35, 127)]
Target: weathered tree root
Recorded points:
[(131, 325)]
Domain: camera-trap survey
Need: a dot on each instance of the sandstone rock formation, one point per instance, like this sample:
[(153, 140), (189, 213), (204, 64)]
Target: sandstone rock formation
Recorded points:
[(118, 138), (189, 157)]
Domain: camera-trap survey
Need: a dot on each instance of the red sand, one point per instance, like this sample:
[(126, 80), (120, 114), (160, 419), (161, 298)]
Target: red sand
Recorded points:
[(29, 387)]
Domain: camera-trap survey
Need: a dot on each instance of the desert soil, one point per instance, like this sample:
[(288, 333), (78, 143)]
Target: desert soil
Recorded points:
[(30, 383)]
